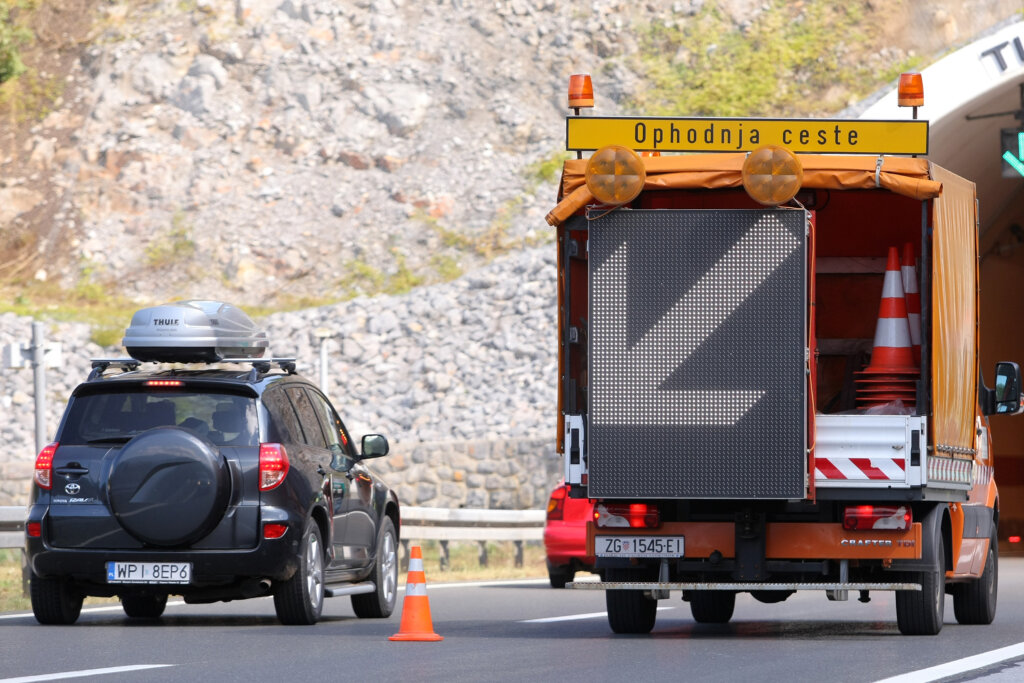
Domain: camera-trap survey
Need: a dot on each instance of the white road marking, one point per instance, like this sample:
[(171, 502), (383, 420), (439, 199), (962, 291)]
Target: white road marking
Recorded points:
[(83, 673), (571, 617), (956, 667), (85, 610)]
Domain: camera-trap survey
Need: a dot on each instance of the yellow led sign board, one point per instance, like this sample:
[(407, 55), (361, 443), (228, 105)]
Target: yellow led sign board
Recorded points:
[(809, 136)]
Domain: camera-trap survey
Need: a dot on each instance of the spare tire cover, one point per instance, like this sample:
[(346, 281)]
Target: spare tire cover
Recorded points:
[(168, 486)]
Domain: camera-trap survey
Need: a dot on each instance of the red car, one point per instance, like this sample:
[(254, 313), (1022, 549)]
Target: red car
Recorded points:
[(565, 536)]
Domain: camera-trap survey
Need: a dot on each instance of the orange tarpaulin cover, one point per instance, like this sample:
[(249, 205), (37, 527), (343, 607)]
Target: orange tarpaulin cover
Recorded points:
[(902, 175), (954, 312)]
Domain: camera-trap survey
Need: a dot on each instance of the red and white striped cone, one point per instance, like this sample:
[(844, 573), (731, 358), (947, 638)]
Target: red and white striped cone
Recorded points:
[(416, 623), (892, 351), (913, 297)]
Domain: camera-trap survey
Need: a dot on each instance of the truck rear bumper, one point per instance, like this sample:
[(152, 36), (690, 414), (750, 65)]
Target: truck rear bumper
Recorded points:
[(784, 540), (726, 586)]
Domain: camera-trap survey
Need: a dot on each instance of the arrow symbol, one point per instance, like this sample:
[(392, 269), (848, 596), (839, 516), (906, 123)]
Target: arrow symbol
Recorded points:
[(625, 381), (1017, 163)]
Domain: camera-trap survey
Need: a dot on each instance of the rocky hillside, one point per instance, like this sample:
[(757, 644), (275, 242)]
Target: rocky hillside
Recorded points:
[(293, 152), (289, 155)]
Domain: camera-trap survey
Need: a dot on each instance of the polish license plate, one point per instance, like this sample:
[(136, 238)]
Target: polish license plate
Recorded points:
[(639, 546), (149, 572)]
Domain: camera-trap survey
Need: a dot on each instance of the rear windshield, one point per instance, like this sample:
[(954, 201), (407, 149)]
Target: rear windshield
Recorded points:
[(223, 419)]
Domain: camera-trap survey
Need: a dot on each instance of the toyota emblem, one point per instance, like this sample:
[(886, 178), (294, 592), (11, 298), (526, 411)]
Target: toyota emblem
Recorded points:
[(72, 488)]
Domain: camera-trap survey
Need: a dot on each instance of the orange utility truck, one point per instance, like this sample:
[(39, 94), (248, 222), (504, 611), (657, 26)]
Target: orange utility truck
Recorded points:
[(769, 376)]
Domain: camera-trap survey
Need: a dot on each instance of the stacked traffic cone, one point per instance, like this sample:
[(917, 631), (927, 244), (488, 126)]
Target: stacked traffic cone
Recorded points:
[(913, 296), (892, 374), (416, 623)]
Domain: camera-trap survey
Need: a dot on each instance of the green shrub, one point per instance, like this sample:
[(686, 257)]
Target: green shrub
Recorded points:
[(12, 39)]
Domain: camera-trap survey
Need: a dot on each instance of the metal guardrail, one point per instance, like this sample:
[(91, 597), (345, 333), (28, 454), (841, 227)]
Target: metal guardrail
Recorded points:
[(472, 524), (12, 526), (418, 523)]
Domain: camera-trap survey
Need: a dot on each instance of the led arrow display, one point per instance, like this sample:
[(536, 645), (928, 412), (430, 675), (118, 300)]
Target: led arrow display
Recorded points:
[(638, 372)]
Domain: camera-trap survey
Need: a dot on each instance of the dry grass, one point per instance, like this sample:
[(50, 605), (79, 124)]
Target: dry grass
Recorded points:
[(462, 556)]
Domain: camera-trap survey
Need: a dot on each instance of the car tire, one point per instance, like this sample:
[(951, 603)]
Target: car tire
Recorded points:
[(920, 613), (381, 602), (300, 599), (560, 576), (712, 607), (144, 606), (630, 611), (55, 601), (974, 602)]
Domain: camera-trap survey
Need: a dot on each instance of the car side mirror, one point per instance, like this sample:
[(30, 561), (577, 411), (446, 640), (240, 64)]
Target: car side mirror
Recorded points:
[(1008, 389), (374, 446)]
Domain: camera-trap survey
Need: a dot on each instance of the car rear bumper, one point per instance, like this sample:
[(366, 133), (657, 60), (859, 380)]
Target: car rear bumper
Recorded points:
[(566, 544)]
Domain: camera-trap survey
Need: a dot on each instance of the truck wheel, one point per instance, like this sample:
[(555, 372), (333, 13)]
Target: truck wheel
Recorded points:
[(55, 601), (144, 606), (975, 602), (298, 600), (920, 613), (381, 602), (712, 607), (629, 611)]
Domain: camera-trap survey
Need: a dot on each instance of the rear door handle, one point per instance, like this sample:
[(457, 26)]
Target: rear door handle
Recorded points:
[(72, 470)]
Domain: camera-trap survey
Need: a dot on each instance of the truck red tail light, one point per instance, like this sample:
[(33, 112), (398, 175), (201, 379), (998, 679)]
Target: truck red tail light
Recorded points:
[(632, 515), (34, 529), (877, 517), (273, 465), (556, 504), (44, 466)]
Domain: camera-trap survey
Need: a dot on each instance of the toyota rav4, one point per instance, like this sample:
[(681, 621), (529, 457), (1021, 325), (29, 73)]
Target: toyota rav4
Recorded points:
[(211, 482)]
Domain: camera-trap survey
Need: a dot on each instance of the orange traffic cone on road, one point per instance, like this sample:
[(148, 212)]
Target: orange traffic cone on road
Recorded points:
[(913, 297), (416, 623)]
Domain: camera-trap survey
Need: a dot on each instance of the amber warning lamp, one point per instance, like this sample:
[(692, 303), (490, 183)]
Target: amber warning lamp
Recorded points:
[(772, 175), (615, 175), (581, 92), (911, 91)]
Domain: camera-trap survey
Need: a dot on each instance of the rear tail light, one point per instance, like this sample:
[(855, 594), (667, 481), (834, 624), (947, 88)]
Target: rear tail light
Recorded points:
[(273, 465), (34, 529), (272, 531), (44, 466), (634, 515), (556, 505), (1014, 539), (878, 517)]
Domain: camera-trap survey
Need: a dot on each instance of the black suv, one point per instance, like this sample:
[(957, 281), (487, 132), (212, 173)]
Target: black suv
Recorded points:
[(210, 483)]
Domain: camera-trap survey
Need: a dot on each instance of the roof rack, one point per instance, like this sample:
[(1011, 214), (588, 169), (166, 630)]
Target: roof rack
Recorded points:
[(259, 365)]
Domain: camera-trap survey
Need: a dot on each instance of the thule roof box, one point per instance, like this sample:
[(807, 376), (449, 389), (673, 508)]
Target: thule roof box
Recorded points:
[(195, 331)]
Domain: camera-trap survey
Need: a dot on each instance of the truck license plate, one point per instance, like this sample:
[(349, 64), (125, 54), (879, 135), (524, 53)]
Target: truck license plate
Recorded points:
[(639, 546), (149, 572)]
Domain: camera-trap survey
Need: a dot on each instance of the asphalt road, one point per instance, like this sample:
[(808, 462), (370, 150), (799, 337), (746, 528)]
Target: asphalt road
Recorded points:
[(521, 631)]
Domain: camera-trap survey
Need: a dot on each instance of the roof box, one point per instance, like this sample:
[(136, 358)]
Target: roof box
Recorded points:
[(193, 332)]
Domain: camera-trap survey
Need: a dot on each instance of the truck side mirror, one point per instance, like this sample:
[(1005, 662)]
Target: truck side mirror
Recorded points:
[(1008, 388)]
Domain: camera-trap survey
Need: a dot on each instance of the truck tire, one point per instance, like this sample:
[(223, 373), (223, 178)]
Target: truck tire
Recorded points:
[(144, 606), (974, 602), (712, 607), (381, 602), (920, 613), (299, 600), (55, 601), (630, 611)]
